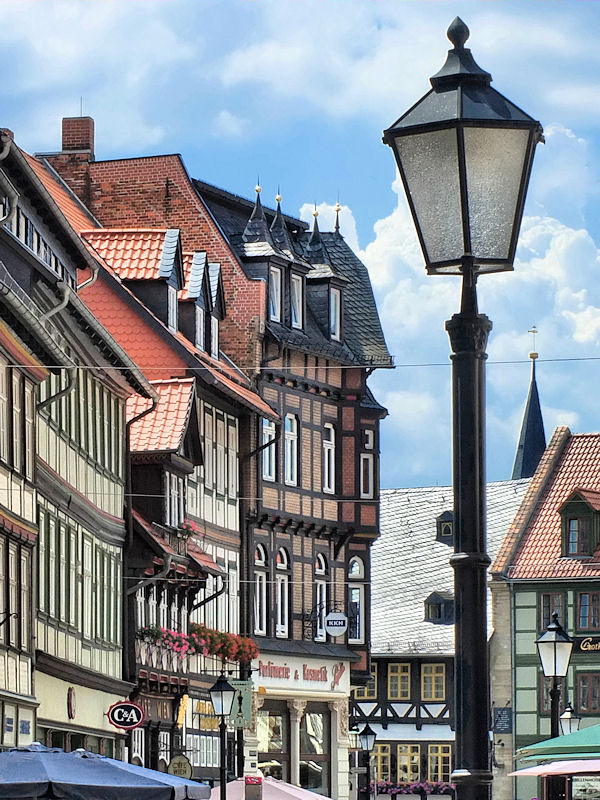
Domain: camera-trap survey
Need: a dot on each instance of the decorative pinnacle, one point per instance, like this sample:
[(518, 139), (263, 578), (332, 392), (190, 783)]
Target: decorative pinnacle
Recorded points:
[(458, 33), (257, 189), (338, 207), (278, 198), (315, 212)]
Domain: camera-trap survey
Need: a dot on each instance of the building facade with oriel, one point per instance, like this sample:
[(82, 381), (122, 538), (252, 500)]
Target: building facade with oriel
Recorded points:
[(67, 430)]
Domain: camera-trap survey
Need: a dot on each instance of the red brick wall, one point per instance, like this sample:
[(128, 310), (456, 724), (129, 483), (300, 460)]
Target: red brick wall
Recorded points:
[(157, 192), (78, 134)]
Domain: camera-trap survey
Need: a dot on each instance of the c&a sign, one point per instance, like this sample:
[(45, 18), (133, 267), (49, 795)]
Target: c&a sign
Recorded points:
[(125, 715)]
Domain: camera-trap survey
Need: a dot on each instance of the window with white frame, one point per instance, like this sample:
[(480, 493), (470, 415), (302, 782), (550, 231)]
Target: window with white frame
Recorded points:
[(175, 500), (172, 307), (260, 590), (275, 294), (282, 592), (297, 303), (199, 327), (232, 462), (220, 456), (4, 435), (208, 450), (328, 458), (214, 336), (268, 453), (291, 450), (369, 438), (356, 600), (335, 314), (320, 597), (366, 475)]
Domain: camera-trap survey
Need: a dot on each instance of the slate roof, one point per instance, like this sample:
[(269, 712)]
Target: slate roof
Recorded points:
[(408, 564), (163, 430), (532, 549), (194, 265), (136, 253), (364, 342), (532, 440)]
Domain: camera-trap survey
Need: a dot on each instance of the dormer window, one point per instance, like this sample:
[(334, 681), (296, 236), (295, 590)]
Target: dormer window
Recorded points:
[(439, 608), (297, 304), (214, 337), (199, 328), (445, 528), (580, 523), (275, 294), (172, 307), (335, 314)]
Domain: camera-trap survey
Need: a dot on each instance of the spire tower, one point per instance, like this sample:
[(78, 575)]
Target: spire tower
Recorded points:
[(532, 441)]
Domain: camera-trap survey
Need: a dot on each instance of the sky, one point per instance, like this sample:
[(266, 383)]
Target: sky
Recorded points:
[(295, 94)]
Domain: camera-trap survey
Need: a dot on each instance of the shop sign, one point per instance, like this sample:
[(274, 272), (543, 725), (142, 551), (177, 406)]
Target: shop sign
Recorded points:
[(336, 623), (503, 720), (180, 766), (157, 709), (126, 715), (304, 675), (241, 710), (587, 644), (585, 787)]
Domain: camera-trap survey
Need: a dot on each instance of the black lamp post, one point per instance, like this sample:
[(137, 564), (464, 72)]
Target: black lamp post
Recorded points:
[(222, 696), (464, 153), (367, 742), (569, 721), (554, 649)]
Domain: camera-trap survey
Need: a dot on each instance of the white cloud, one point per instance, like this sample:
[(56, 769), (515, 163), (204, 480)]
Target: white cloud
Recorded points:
[(228, 125)]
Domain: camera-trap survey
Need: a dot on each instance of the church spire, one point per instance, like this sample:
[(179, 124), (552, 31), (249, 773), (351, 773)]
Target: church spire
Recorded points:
[(532, 441)]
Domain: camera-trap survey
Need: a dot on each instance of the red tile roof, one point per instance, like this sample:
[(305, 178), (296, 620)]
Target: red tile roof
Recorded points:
[(67, 203), (203, 559), (532, 549), (162, 430), (133, 253), (591, 498)]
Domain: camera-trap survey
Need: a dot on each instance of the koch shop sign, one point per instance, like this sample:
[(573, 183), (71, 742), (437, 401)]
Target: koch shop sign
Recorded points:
[(307, 675), (587, 644)]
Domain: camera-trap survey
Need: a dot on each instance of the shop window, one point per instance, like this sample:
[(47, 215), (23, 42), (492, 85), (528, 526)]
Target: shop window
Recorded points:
[(314, 749), (408, 760), (382, 762), (275, 294), (282, 592), (268, 454), (328, 458), (260, 591), (433, 678), (273, 738), (368, 692), (439, 763), (588, 604), (291, 450), (297, 304), (549, 603), (398, 681), (320, 597), (356, 601)]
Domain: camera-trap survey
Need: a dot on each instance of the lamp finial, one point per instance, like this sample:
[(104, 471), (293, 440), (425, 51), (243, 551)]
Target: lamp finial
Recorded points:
[(458, 33)]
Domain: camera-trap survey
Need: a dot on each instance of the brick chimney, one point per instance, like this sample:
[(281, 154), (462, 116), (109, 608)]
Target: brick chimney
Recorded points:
[(78, 135)]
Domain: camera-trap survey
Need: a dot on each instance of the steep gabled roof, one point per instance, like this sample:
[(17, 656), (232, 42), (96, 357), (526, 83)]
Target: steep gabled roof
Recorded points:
[(164, 429), (194, 265), (408, 564)]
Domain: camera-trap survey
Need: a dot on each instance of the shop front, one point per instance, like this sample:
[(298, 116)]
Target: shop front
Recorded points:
[(71, 715), (300, 732)]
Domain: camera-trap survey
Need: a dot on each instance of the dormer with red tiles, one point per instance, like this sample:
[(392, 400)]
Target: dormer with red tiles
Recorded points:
[(580, 523), (149, 261)]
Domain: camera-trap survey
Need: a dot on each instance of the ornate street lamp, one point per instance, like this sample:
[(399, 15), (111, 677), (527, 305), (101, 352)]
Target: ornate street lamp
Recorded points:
[(367, 742), (569, 721), (464, 153), (222, 695), (554, 649)]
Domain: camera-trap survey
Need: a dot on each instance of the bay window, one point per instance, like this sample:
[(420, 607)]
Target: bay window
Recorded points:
[(366, 476), (356, 601)]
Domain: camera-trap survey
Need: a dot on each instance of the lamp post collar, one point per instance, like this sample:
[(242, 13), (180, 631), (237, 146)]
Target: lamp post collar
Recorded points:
[(460, 66)]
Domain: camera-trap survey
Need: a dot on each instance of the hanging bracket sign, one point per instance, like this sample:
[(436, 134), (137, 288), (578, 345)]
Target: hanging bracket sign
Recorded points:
[(336, 623)]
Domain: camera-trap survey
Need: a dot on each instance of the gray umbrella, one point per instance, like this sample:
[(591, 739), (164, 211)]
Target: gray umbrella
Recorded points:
[(43, 772)]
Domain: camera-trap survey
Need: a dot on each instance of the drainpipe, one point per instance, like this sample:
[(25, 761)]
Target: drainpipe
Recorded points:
[(128, 607), (64, 290), (91, 280), (214, 595)]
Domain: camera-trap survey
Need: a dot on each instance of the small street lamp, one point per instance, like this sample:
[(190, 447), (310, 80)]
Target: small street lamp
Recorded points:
[(367, 742), (464, 153), (354, 737), (569, 721), (222, 695), (554, 649)]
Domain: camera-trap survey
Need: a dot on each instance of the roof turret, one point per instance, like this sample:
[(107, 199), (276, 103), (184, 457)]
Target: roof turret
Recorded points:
[(257, 228)]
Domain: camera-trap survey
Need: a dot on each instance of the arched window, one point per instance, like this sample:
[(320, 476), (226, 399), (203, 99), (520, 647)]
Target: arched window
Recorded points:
[(291, 450), (260, 590), (282, 593), (320, 597), (356, 601), (328, 458)]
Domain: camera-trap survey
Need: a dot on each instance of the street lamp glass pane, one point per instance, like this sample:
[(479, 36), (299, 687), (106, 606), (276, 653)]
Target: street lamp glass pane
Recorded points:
[(222, 695), (555, 657), (494, 160), (430, 164)]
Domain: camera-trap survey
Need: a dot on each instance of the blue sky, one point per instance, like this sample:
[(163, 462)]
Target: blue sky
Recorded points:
[(298, 92)]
